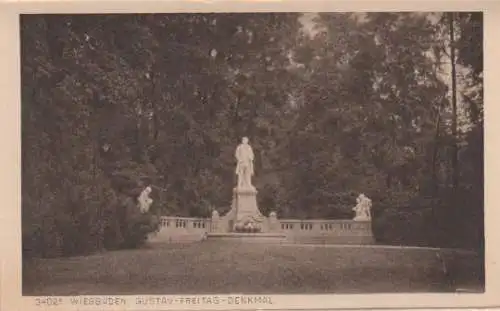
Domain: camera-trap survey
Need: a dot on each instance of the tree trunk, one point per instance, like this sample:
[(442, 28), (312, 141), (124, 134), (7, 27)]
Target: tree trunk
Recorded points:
[(435, 151), (454, 159), (138, 137), (156, 120)]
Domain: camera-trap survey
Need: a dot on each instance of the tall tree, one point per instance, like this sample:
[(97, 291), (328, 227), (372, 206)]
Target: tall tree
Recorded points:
[(454, 132)]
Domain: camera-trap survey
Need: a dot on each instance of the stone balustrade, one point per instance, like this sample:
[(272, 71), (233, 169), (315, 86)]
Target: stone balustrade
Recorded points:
[(317, 231), (327, 231), (181, 229)]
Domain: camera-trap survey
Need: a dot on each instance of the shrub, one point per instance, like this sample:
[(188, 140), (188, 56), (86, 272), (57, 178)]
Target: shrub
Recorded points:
[(136, 226), (430, 221), (87, 218)]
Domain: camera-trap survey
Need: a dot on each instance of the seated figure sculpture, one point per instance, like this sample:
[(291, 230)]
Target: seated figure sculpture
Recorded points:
[(363, 208), (144, 200)]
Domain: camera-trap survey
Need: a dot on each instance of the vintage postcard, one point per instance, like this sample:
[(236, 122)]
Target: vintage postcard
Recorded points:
[(249, 155)]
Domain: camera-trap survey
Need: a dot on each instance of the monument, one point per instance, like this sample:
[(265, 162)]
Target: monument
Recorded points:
[(245, 223), (247, 216), (244, 164), (244, 219)]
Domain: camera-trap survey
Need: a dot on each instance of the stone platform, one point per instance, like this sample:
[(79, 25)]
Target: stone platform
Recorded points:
[(248, 237), (297, 231)]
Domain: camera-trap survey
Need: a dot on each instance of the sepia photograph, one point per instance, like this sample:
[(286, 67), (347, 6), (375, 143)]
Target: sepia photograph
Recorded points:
[(262, 153)]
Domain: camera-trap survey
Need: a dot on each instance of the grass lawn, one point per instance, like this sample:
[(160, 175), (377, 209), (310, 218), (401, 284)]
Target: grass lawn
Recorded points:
[(214, 267)]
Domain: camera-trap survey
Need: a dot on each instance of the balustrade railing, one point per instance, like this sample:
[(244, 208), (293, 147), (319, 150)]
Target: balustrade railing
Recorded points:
[(172, 227)]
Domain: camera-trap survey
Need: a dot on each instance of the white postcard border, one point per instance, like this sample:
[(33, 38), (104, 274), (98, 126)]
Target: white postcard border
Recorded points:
[(10, 232)]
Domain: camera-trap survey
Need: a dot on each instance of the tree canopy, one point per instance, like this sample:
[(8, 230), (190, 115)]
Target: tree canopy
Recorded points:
[(112, 103)]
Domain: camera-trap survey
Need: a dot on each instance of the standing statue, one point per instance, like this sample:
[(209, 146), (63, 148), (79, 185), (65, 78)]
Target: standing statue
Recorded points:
[(144, 200), (244, 167), (363, 208)]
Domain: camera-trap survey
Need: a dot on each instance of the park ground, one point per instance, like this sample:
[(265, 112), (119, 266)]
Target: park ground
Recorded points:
[(214, 267)]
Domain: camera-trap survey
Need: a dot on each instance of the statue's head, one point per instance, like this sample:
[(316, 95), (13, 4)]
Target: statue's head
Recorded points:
[(244, 140)]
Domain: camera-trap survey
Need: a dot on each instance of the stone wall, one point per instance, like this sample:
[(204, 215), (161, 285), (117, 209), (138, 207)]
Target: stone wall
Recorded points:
[(181, 229), (317, 231), (322, 231)]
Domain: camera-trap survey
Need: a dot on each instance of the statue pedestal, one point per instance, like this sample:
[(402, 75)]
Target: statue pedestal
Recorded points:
[(361, 218), (247, 216), (244, 222), (244, 217)]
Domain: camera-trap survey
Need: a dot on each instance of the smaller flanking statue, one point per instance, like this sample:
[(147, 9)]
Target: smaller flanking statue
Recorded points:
[(144, 200), (363, 208), (244, 167)]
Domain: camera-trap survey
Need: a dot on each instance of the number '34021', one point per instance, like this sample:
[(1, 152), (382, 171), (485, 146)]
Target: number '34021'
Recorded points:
[(48, 301)]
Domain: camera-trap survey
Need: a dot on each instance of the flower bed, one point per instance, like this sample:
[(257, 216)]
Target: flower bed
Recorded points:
[(247, 227)]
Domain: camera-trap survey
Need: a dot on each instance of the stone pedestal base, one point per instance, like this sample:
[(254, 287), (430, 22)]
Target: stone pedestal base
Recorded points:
[(248, 237), (247, 217), (361, 218), (244, 216)]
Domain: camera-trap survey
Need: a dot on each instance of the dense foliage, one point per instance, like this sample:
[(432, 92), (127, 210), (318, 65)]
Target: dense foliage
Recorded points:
[(112, 103)]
